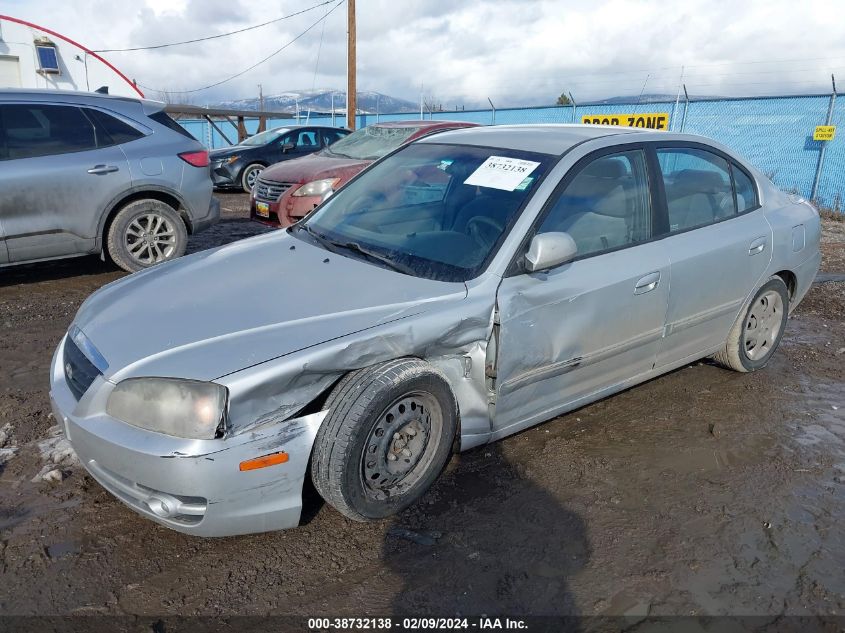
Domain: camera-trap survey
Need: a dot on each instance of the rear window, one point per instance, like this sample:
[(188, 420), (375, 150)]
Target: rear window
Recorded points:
[(373, 142), (164, 119)]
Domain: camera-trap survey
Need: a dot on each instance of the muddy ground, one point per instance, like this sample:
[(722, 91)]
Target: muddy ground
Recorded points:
[(700, 492)]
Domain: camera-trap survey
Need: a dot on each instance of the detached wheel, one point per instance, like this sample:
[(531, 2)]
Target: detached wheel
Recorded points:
[(145, 233), (249, 175), (387, 436), (757, 332)]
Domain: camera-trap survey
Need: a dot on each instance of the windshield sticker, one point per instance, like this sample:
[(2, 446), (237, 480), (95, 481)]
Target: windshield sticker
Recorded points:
[(501, 172), (525, 184)]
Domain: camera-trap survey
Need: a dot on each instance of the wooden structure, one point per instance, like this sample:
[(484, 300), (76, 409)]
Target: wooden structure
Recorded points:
[(235, 118)]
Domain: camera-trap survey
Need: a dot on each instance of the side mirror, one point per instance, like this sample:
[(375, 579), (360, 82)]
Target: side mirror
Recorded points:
[(327, 195), (548, 250), (288, 147)]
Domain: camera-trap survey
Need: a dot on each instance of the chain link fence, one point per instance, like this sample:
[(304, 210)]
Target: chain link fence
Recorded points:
[(774, 133)]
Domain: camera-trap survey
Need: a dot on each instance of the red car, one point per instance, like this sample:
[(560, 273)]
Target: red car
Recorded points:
[(286, 192)]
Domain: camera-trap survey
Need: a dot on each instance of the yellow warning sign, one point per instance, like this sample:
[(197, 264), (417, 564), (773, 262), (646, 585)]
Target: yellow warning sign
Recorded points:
[(824, 133), (653, 120)]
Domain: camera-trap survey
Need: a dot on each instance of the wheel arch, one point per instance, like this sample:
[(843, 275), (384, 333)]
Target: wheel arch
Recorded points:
[(169, 198), (791, 281)]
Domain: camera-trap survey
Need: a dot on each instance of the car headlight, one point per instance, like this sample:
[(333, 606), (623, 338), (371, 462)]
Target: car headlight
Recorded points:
[(316, 187), (184, 408), (232, 159)]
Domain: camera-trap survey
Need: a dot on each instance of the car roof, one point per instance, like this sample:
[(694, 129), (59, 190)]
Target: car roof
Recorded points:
[(419, 123), (545, 138)]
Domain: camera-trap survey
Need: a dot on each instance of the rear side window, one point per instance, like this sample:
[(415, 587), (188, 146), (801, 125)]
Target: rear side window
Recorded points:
[(161, 117), (43, 130), (111, 130), (746, 196), (698, 187), (606, 206)]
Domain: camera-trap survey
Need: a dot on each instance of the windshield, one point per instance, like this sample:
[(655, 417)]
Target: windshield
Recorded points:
[(429, 210), (372, 142), (265, 137)]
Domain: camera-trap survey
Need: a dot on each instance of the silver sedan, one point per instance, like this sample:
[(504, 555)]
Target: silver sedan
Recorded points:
[(461, 289)]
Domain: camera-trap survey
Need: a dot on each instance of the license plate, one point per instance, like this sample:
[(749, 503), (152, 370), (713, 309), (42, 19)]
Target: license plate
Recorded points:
[(262, 209)]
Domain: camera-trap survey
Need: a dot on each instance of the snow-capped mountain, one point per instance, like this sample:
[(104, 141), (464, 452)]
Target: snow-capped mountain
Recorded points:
[(321, 101)]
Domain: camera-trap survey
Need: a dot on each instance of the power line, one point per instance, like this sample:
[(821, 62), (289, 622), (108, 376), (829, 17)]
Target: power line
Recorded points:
[(213, 37), (255, 65)]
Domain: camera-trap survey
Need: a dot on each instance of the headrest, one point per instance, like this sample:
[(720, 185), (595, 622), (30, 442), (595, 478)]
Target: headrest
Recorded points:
[(690, 181), (606, 168)]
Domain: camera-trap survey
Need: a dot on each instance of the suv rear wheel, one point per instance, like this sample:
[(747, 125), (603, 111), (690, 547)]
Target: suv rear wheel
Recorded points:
[(145, 233)]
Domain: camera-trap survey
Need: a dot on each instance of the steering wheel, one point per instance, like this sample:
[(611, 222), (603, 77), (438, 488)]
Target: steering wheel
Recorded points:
[(485, 231)]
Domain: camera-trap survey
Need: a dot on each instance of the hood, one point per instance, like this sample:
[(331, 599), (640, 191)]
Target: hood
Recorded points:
[(219, 311), (314, 167), (217, 154)]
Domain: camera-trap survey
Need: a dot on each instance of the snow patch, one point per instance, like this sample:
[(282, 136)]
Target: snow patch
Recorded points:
[(56, 452), (7, 450)]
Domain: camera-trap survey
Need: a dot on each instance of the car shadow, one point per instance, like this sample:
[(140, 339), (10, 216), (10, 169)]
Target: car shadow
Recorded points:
[(486, 540), (55, 270)]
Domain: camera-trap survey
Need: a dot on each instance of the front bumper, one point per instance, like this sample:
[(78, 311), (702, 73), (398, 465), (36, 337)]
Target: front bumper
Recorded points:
[(286, 210), (223, 175), (192, 486)]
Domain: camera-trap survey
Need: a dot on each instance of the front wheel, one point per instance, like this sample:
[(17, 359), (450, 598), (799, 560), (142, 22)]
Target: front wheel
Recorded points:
[(387, 436), (249, 176), (145, 233), (757, 332)]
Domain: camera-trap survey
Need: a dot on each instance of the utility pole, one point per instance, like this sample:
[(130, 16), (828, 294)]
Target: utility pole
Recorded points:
[(260, 98), (351, 101)]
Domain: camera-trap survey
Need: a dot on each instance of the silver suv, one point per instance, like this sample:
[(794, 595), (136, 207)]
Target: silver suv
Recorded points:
[(84, 173)]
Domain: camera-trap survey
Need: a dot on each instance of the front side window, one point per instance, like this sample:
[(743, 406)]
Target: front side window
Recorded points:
[(606, 206), (698, 187), (429, 210), (332, 136), (44, 130), (307, 140)]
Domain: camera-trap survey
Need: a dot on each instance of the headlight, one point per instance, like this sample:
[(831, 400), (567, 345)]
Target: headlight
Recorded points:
[(184, 408), (231, 159), (316, 187)]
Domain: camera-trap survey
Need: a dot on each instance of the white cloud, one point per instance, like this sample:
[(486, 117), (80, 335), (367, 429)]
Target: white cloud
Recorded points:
[(515, 51)]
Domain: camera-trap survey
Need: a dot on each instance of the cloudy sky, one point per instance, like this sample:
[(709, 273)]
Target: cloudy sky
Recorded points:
[(463, 51)]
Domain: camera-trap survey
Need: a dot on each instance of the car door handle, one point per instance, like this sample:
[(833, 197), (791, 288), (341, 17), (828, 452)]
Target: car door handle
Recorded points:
[(757, 246), (103, 169), (647, 283)]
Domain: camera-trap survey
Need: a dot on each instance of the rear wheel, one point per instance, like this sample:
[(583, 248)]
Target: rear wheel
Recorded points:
[(145, 233), (249, 175), (757, 332), (387, 436)]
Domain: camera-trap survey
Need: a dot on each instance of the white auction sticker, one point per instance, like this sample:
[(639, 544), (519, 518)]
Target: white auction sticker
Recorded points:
[(501, 172)]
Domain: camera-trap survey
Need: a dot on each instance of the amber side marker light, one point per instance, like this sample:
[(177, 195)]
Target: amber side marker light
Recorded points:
[(263, 461)]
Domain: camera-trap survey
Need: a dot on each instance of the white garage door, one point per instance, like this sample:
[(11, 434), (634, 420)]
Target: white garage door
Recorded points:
[(10, 73)]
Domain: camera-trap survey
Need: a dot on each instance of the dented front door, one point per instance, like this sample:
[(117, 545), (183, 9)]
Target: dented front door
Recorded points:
[(577, 330)]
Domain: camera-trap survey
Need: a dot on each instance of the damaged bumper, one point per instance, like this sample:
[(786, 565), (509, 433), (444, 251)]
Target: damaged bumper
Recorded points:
[(192, 486)]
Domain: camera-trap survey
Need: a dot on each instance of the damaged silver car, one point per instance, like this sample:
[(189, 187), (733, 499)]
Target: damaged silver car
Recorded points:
[(461, 289)]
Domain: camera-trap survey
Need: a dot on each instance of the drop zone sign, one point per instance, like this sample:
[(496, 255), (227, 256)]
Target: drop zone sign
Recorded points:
[(653, 121)]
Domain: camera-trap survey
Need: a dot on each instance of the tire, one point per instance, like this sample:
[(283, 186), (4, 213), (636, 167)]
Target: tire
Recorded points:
[(367, 410), (756, 333), (250, 173), (145, 233)]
